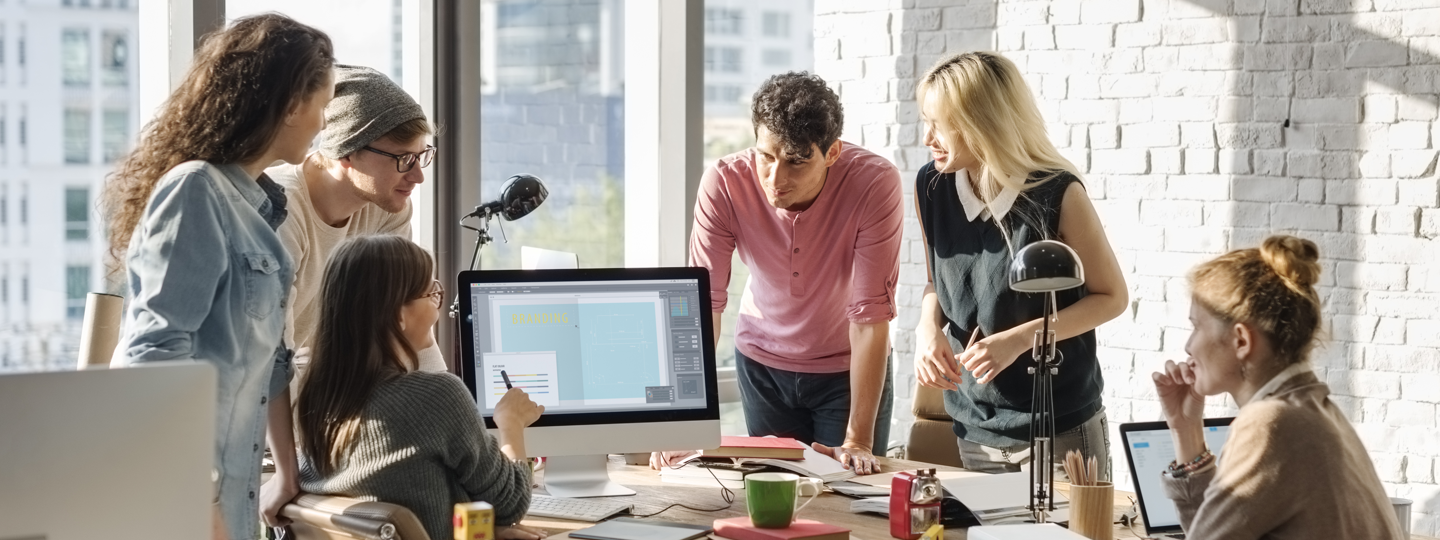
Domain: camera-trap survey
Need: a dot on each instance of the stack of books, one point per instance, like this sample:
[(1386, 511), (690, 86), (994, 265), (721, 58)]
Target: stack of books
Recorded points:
[(757, 447)]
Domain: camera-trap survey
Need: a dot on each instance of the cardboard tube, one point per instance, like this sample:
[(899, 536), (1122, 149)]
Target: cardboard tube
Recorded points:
[(100, 331)]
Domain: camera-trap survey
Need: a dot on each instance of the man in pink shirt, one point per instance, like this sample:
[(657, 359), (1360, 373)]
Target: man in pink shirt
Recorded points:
[(817, 221)]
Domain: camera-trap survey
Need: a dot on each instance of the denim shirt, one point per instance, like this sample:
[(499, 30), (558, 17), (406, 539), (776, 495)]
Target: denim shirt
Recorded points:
[(208, 280)]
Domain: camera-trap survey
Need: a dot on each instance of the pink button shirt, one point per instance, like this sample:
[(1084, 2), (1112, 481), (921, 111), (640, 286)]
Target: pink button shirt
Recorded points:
[(812, 272)]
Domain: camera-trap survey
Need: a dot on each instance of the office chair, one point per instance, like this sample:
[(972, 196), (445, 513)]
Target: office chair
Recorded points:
[(931, 439), (329, 517)]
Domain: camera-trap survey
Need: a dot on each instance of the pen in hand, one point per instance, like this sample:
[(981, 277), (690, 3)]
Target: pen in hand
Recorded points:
[(506, 376), (973, 336)]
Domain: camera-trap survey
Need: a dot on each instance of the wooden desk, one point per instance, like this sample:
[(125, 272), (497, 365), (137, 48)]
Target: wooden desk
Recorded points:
[(652, 495)]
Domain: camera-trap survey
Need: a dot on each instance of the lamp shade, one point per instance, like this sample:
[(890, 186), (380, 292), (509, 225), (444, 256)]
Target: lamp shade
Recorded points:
[(1046, 266), (521, 195)]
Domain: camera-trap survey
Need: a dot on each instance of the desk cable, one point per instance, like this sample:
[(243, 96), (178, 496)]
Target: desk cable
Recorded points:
[(725, 494)]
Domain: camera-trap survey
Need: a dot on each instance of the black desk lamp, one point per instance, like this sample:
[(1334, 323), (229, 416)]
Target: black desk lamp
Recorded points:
[(520, 195), (1044, 267)]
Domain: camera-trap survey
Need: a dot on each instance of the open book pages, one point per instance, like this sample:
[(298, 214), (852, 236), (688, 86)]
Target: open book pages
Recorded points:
[(878, 505), (815, 465), (1000, 498)]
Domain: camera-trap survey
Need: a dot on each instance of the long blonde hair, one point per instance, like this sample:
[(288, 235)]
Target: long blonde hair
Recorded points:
[(984, 103)]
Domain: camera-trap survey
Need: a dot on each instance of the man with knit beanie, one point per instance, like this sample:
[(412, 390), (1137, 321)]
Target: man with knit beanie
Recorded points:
[(371, 155), (359, 182)]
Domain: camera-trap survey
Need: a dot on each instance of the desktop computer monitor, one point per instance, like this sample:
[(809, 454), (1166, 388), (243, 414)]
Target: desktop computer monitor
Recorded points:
[(623, 360), (108, 453)]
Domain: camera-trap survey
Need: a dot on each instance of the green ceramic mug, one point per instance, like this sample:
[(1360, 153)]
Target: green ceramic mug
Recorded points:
[(773, 499)]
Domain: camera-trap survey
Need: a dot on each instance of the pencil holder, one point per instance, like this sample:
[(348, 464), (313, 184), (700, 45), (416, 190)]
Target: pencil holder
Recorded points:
[(1092, 511)]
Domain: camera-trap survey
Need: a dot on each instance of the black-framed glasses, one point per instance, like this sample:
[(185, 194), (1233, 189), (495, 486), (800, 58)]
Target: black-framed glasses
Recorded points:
[(405, 162)]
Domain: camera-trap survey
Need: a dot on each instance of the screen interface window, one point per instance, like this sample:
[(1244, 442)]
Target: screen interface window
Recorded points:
[(1153, 451), (583, 347)]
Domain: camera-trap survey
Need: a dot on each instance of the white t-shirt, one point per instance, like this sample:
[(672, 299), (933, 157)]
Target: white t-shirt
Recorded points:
[(311, 241)]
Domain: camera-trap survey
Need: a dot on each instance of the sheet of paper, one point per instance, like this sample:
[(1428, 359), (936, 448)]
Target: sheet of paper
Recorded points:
[(543, 259), (533, 372), (883, 479)]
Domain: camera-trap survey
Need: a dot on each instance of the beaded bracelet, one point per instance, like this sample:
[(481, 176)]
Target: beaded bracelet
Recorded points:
[(1201, 461)]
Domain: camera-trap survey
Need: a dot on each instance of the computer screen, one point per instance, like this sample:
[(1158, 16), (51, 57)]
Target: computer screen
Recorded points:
[(629, 345), (1150, 448)]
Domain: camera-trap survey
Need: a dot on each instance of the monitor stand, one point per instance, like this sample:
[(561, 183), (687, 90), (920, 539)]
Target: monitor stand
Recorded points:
[(581, 476)]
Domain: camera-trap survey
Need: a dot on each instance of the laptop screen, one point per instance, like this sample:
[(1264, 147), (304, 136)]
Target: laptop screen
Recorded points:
[(1150, 448)]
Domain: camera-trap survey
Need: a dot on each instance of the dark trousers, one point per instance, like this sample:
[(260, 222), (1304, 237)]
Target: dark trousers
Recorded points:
[(808, 407)]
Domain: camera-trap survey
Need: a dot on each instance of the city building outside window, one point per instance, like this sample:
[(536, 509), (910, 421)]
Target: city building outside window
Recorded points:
[(723, 59), (552, 104), (77, 213), (77, 283), (775, 24), (77, 136), (75, 56), (778, 58), (724, 21), (114, 58), (114, 134)]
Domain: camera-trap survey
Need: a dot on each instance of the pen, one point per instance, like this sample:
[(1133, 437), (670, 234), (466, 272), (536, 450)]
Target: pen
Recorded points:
[(973, 336), (506, 376)]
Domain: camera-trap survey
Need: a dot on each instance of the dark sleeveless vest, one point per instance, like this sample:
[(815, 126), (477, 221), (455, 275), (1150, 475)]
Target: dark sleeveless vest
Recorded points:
[(969, 264)]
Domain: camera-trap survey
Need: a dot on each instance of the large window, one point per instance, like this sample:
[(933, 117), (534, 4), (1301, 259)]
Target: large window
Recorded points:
[(77, 136), (553, 105), (79, 96), (75, 56), (729, 83)]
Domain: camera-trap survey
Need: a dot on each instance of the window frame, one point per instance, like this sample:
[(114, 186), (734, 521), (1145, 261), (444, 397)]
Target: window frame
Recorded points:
[(664, 112)]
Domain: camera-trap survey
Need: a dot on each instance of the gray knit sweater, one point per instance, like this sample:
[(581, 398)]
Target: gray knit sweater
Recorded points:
[(423, 445)]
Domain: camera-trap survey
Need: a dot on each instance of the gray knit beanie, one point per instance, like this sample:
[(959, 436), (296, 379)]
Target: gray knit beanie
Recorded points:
[(367, 106)]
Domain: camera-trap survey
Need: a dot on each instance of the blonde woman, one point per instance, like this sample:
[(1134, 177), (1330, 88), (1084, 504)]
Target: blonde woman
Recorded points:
[(1256, 316), (996, 184)]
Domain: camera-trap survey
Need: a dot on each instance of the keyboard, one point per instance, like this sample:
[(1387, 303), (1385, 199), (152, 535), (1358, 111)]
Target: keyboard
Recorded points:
[(591, 510)]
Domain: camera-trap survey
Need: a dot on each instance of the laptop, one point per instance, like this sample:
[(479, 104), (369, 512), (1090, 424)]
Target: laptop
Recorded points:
[(1149, 448)]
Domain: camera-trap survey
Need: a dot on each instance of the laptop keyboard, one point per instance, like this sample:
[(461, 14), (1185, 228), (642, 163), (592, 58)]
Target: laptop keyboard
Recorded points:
[(591, 510)]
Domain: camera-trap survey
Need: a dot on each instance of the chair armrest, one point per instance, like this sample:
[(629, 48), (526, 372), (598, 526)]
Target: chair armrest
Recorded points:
[(330, 516)]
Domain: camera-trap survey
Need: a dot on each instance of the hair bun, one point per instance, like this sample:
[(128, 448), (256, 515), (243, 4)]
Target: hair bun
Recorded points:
[(1294, 259)]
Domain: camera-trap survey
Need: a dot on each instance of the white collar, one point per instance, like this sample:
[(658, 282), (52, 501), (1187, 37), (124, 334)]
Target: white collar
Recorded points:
[(1279, 379), (974, 207)]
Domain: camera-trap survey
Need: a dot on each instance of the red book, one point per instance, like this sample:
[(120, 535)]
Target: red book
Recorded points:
[(739, 528), (757, 447)]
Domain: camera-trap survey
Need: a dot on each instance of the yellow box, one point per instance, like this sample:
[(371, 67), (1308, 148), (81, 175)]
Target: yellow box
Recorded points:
[(474, 521)]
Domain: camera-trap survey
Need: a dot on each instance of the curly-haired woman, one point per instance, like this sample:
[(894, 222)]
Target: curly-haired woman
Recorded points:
[(192, 224)]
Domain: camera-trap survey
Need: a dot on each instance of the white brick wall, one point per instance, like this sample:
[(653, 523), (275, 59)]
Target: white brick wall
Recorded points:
[(1178, 115)]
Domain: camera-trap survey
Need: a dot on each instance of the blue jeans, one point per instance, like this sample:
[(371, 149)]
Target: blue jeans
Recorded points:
[(808, 407)]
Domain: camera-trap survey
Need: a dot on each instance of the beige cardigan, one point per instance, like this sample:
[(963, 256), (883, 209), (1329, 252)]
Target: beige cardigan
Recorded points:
[(1293, 468)]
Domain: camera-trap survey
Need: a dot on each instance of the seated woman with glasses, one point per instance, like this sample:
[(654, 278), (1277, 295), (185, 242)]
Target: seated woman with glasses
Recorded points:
[(373, 427), (1293, 466)]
